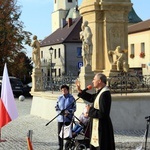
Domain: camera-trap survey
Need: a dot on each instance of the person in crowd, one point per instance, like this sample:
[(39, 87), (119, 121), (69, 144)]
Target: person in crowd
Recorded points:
[(83, 121), (66, 107), (102, 136)]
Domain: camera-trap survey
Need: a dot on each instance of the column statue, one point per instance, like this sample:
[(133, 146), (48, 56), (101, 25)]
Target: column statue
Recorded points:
[(121, 59), (36, 52), (86, 37)]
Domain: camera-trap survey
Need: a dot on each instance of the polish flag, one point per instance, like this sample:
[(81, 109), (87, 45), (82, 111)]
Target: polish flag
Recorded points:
[(8, 109)]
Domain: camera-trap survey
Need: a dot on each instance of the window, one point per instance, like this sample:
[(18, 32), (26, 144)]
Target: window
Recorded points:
[(54, 71), (59, 72), (132, 48), (69, 1), (59, 53), (142, 53), (55, 53), (41, 54), (143, 47), (79, 52)]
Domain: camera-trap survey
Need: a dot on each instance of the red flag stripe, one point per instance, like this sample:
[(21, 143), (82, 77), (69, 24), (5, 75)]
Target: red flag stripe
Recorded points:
[(8, 109), (4, 116)]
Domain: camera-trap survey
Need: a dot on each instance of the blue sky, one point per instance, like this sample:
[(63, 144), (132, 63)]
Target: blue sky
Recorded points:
[(36, 15)]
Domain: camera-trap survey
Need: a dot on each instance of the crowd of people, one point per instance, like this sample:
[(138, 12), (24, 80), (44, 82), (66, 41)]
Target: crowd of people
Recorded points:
[(97, 113)]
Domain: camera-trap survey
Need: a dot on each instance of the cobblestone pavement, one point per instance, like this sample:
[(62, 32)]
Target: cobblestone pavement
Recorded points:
[(45, 137)]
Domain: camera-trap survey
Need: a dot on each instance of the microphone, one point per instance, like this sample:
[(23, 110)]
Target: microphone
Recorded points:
[(148, 117), (89, 87)]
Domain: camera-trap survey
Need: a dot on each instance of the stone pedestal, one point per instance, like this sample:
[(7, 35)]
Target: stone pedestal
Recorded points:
[(37, 82), (86, 76), (128, 111)]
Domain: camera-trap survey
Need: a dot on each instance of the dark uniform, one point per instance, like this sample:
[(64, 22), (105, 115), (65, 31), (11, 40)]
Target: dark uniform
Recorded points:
[(105, 129)]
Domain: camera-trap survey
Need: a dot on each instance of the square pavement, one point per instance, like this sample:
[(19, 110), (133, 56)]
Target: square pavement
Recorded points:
[(45, 137)]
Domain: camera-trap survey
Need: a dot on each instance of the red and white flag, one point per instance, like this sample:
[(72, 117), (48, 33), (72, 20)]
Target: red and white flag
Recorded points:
[(8, 109)]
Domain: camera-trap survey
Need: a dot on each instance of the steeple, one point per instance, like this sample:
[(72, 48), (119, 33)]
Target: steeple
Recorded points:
[(76, 13), (64, 4), (61, 10), (133, 17)]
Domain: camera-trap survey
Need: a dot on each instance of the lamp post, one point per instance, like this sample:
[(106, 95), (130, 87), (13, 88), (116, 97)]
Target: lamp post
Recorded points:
[(51, 53)]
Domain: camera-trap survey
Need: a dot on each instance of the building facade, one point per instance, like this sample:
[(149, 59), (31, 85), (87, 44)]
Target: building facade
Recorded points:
[(139, 47), (62, 9), (66, 45), (64, 40)]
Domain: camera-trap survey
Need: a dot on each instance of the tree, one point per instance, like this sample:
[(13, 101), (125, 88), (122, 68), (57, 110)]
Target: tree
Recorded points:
[(23, 67), (12, 35)]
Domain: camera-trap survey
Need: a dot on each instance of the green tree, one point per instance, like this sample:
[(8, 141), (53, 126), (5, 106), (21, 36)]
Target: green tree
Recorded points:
[(12, 35)]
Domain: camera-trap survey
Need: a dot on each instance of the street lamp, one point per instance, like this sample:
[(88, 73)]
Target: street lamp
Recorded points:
[(51, 53)]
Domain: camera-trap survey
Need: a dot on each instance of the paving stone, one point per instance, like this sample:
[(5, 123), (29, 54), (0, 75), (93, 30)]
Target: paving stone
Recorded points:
[(45, 137)]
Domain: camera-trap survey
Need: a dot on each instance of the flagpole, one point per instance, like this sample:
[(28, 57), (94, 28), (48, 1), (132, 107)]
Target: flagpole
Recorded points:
[(0, 137), (29, 140)]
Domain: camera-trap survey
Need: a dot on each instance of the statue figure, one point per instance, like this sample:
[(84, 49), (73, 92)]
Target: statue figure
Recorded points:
[(86, 37), (36, 52), (121, 59)]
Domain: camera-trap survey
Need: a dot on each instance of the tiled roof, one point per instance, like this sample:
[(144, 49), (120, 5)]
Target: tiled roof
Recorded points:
[(65, 35), (138, 27), (71, 34)]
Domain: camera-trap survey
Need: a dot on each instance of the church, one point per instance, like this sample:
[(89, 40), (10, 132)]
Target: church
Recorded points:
[(64, 40)]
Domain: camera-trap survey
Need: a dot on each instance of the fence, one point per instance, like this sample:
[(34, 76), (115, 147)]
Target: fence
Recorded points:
[(127, 83), (121, 83), (55, 83)]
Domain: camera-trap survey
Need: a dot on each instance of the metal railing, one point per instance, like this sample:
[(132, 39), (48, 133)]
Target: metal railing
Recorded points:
[(57, 82), (121, 83), (128, 82)]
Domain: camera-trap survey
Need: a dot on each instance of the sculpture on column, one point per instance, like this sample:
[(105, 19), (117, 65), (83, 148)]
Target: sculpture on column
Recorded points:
[(36, 52), (86, 37), (121, 59)]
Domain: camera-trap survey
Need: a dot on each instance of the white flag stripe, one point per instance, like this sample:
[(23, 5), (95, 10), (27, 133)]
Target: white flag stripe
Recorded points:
[(7, 96)]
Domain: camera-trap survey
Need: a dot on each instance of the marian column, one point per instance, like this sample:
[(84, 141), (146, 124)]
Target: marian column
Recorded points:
[(108, 20)]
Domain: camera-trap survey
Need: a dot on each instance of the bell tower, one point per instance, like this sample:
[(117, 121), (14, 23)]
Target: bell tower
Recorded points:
[(61, 8), (65, 4)]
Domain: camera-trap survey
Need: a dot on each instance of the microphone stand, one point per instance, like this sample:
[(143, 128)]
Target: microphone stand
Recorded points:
[(62, 142), (62, 112), (147, 128)]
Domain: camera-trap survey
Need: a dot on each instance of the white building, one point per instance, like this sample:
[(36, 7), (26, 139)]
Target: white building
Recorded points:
[(66, 45), (62, 10), (65, 41)]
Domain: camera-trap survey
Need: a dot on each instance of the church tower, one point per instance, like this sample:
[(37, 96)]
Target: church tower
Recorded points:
[(61, 9)]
